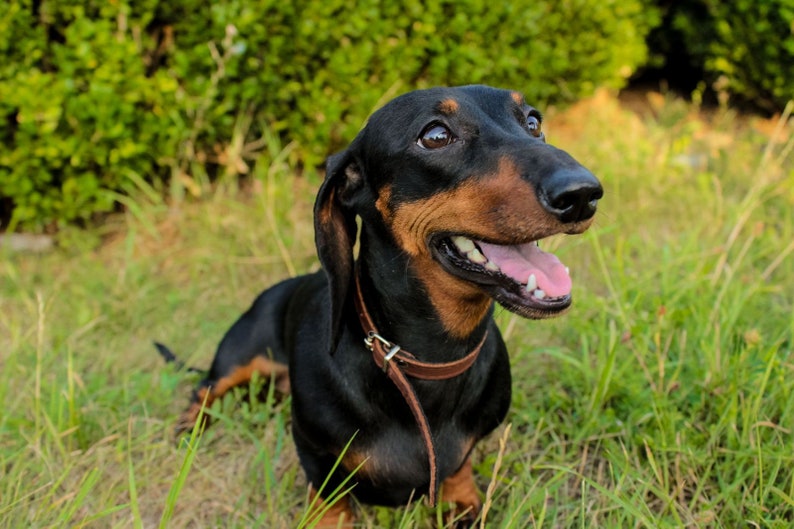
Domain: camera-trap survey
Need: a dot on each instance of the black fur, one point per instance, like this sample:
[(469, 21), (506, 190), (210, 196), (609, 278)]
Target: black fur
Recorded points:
[(309, 322)]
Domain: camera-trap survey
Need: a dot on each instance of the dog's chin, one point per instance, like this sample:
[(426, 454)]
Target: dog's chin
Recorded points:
[(526, 298)]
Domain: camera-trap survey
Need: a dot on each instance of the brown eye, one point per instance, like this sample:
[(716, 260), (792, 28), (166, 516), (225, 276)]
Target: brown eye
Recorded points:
[(435, 136), (533, 126)]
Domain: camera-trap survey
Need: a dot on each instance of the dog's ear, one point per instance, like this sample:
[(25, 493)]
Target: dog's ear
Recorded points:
[(335, 232)]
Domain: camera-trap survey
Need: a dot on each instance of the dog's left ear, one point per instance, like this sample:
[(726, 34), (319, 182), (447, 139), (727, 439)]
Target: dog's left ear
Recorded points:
[(335, 232)]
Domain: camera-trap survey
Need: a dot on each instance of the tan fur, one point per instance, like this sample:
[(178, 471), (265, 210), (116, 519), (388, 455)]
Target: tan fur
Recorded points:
[(460, 489), (518, 98), (449, 106), (339, 515), (265, 367), (499, 208)]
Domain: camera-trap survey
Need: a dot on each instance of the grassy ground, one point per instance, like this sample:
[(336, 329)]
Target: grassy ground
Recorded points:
[(663, 399)]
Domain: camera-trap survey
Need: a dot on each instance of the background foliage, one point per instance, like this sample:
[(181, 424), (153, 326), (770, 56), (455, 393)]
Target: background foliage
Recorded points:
[(742, 48), (100, 98)]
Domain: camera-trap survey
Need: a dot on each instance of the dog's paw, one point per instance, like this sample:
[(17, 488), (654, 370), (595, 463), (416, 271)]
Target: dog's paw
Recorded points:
[(461, 521)]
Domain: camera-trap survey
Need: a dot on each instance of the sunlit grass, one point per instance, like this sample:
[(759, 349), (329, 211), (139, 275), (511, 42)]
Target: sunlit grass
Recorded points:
[(662, 399)]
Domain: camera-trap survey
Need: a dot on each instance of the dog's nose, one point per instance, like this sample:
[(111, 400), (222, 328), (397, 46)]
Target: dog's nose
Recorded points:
[(571, 194)]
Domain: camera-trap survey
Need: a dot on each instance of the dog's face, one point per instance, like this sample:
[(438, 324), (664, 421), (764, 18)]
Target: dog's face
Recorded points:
[(464, 182)]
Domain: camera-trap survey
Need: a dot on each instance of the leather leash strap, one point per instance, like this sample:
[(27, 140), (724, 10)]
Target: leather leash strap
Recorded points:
[(399, 364)]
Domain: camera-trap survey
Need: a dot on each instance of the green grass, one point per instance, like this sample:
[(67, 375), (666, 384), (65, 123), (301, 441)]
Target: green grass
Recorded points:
[(664, 398)]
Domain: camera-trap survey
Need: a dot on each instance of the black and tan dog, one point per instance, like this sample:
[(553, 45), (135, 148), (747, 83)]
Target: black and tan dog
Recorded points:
[(454, 187)]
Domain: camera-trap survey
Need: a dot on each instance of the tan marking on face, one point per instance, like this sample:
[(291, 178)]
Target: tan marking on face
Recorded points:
[(382, 202), (460, 304), (494, 207), (518, 98), (449, 106), (498, 207)]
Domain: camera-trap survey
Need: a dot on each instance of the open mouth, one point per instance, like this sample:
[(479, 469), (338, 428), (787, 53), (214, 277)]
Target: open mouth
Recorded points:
[(521, 277)]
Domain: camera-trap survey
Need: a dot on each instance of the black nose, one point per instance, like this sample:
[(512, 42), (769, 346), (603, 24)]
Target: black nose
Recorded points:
[(570, 194)]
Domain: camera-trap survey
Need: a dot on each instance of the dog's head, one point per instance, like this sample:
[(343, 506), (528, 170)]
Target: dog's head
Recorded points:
[(465, 184)]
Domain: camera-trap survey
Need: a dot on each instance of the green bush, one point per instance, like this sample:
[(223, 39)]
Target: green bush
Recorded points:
[(754, 49), (83, 118), (102, 97), (744, 48)]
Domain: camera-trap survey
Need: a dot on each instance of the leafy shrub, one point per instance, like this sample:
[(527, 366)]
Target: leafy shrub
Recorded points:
[(754, 49), (315, 69), (102, 97), (746, 47), (82, 116)]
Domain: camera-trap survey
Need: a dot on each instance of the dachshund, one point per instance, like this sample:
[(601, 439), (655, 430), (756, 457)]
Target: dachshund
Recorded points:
[(447, 192)]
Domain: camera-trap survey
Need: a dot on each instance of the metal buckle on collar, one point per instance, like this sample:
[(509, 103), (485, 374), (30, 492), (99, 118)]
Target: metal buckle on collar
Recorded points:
[(393, 347)]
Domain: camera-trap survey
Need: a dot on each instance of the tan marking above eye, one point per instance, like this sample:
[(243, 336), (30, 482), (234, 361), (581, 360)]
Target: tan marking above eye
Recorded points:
[(518, 98), (449, 106)]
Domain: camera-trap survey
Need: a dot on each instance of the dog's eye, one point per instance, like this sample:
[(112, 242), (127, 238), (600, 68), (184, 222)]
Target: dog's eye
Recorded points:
[(533, 126), (435, 136)]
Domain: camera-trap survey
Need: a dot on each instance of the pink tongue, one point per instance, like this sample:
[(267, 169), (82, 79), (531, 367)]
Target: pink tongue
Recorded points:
[(518, 262)]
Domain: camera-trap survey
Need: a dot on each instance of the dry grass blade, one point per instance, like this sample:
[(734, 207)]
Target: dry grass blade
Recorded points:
[(489, 493)]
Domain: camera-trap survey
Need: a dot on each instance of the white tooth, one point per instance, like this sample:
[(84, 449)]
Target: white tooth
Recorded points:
[(532, 283), (539, 294), (475, 256), (567, 270), (491, 266), (464, 245)]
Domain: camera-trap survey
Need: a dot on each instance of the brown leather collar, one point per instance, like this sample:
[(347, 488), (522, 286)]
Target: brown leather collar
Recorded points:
[(398, 363)]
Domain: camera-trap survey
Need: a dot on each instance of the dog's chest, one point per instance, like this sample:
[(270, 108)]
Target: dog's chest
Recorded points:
[(396, 456)]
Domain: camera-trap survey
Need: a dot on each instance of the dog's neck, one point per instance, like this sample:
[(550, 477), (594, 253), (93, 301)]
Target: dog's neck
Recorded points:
[(408, 310)]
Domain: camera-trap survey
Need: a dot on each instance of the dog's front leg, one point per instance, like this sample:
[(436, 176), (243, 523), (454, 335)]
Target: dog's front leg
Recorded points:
[(338, 516), (460, 489)]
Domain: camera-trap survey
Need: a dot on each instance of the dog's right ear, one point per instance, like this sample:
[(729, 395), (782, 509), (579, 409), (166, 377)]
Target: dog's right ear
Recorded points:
[(335, 232)]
